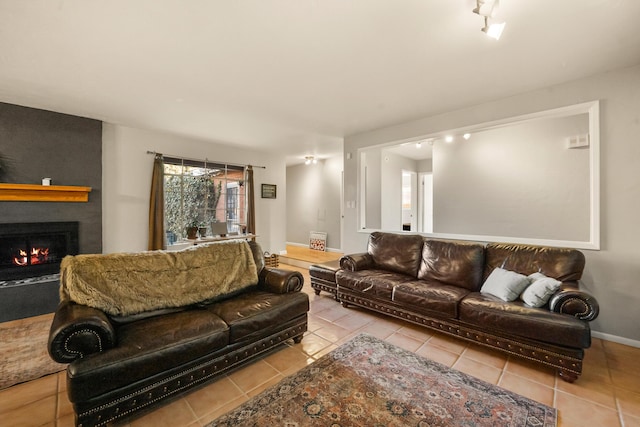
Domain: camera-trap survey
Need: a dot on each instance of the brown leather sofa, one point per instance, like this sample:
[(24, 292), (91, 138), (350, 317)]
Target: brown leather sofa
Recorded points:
[(437, 283), (119, 369)]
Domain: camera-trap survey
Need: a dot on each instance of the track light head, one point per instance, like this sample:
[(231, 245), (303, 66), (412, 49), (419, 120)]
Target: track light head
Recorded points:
[(486, 9)]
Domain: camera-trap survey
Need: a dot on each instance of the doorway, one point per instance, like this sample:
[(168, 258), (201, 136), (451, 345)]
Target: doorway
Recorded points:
[(425, 203), (409, 201)]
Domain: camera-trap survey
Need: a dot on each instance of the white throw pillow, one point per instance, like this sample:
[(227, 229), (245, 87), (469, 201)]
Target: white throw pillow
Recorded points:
[(504, 284), (538, 293)]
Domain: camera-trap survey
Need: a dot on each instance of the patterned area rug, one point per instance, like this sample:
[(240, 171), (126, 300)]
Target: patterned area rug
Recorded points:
[(368, 382)]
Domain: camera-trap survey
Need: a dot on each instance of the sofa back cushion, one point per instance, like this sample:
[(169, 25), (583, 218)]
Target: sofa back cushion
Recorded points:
[(559, 263), (400, 253), (452, 263)]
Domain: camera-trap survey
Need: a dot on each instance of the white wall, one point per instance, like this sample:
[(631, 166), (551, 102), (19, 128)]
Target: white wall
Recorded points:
[(613, 273), (313, 201), (127, 182)]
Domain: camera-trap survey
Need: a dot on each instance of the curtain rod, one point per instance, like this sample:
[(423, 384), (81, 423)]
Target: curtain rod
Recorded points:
[(200, 160)]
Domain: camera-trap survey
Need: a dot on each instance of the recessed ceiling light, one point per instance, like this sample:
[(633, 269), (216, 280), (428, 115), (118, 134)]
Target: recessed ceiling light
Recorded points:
[(448, 138), (466, 136)]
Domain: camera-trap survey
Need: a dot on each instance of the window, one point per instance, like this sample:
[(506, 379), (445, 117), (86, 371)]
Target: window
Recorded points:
[(200, 193)]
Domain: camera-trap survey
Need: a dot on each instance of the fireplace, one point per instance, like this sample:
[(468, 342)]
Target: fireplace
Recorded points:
[(35, 249), (30, 256)]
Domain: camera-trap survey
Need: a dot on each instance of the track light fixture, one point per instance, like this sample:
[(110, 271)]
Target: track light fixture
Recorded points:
[(310, 159), (486, 9)]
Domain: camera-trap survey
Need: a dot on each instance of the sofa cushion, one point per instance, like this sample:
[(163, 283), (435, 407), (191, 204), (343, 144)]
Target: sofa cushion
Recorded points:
[(540, 290), (436, 299), (400, 253), (452, 263), (254, 313), (122, 320), (504, 284), (560, 263), (146, 348), (377, 283), (515, 318)]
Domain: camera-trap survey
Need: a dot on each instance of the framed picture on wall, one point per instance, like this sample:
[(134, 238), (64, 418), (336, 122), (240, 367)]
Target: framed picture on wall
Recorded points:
[(268, 191)]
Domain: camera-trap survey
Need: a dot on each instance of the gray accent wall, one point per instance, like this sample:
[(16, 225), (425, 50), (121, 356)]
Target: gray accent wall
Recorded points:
[(68, 149)]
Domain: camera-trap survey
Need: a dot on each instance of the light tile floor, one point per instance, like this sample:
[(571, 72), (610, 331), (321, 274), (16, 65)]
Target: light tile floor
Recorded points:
[(607, 394)]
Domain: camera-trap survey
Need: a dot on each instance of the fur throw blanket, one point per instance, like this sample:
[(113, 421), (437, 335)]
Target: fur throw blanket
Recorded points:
[(129, 283)]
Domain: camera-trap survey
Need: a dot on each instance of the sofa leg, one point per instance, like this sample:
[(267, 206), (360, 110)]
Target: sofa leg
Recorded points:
[(316, 291), (344, 304), (567, 376), (297, 339)]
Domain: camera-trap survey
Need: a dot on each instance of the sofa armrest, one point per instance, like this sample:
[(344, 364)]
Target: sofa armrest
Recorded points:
[(77, 331), (571, 300), (355, 262), (280, 281)]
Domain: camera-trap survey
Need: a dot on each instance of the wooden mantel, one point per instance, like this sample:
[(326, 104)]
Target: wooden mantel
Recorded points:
[(43, 193)]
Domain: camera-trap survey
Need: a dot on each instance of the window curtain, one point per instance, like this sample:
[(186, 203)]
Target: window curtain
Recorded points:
[(251, 210), (156, 205)]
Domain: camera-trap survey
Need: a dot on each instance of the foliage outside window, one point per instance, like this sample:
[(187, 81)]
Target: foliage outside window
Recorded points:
[(198, 193)]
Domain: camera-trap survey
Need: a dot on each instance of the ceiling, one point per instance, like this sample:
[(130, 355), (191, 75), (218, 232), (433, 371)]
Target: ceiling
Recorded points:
[(416, 150), (296, 75)]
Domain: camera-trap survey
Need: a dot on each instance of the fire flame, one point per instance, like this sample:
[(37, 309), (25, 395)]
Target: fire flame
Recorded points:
[(37, 256)]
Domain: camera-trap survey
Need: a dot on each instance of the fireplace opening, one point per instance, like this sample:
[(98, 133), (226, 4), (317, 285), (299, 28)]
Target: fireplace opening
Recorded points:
[(35, 249)]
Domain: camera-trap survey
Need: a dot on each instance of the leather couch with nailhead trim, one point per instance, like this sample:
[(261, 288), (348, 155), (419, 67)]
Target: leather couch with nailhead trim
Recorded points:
[(436, 284), (121, 369)]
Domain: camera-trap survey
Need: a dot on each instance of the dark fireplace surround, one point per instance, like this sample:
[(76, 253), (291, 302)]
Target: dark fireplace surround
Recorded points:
[(30, 257), (69, 150)]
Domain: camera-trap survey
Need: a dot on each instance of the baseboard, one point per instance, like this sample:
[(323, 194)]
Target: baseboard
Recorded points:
[(616, 339), (303, 245)]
